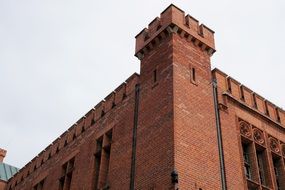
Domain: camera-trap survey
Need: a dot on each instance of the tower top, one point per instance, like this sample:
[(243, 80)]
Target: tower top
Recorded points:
[(2, 154), (173, 19)]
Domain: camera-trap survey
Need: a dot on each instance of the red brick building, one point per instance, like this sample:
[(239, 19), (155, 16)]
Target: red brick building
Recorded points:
[(176, 125), (6, 171)]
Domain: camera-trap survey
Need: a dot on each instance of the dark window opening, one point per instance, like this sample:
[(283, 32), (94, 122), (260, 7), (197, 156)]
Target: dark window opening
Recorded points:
[(124, 96), (39, 186), (105, 169), (57, 150), (229, 85), (49, 155), (93, 121), (113, 104), (102, 160), (97, 161), (261, 167), (61, 183), (155, 76), (193, 74), (74, 136), (277, 115), (107, 140), (254, 101), (277, 171), (82, 129), (102, 113), (247, 162), (66, 176), (242, 93), (266, 108)]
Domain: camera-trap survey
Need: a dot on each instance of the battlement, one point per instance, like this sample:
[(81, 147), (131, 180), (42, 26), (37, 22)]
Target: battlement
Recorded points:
[(244, 95), (90, 119), (173, 20)]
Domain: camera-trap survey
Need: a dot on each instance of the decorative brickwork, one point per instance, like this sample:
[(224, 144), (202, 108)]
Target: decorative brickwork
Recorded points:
[(245, 129), (274, 145), (258, 136)]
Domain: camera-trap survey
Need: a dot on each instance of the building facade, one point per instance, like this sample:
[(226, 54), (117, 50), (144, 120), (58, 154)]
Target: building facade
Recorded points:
[(176, 125), (6, 171)]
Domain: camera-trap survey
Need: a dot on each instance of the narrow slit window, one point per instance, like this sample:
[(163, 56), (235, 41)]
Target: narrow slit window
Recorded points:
[(266, 108), (105, 168), (98, 155), (57, 150), (193, 71), (82, 129), (277, 115), (74, 136), (107, 141), (102, 113), (155, 76), (254, 101), (229, 85), (125, 92), (242, 93), (113, 104)]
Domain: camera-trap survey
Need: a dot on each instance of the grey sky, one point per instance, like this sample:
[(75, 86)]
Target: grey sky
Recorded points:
[(60, 58)]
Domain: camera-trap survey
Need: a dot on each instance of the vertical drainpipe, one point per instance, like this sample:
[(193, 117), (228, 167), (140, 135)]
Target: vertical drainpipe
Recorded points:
[(134, 141), (219, 135)]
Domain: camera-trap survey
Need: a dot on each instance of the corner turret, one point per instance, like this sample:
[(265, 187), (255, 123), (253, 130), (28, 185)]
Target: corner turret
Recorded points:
[(173, 19)]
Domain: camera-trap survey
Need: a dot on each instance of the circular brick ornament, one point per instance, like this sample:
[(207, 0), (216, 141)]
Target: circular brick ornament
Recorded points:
[(245, 128), (274, 146), (258, 136)]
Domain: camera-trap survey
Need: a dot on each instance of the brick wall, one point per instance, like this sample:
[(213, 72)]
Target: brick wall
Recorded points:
[(237, 105), (163, 122), (196, 150), (80, 142)]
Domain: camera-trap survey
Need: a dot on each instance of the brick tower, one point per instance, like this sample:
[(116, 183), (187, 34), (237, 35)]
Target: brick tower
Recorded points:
[(176, 124), (164, 129), (155, 131)]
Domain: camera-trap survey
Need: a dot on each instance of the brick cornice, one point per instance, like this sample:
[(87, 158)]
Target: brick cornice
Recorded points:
[(242, 104)]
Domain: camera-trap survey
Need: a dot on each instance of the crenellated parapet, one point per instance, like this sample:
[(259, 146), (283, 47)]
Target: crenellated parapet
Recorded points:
[(230, 87), (173, 20), (89, 120)]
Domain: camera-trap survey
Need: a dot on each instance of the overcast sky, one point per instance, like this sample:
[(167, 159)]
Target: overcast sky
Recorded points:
[(60, 58)]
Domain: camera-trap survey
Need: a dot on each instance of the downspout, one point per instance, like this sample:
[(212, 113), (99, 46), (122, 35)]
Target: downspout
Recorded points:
[(219, 135), (134, 141)]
